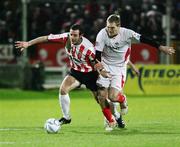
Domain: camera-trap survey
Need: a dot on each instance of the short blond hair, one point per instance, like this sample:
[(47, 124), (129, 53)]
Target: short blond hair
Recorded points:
[(114, 18)]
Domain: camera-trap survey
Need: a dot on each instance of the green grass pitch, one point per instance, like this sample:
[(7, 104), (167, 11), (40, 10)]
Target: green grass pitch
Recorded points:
[(152, 121)]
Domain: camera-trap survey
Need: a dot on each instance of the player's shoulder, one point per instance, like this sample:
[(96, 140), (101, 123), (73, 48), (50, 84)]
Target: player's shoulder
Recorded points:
[(124, 30), (102, 34), (103, 31), (87, 44)]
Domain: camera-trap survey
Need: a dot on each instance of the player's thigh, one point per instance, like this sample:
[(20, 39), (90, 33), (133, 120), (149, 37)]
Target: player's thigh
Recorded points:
[(68, 84), (102, 93), (113, 93), (102, 96)]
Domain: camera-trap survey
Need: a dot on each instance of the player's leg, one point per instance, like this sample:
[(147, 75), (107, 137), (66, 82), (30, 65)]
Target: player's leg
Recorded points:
[(116, 96), (106, 122), (123, 103), (114, 109), (117, 85), (90, 82), (102, 97), (109, 104), (68, 84), (95, 95)]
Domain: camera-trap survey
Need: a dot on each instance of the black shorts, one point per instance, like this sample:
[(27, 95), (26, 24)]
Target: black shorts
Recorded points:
[(89, 79)]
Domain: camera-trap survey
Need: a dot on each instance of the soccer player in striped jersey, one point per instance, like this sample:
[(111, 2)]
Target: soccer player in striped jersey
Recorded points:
[(81, 53), (113, 47)]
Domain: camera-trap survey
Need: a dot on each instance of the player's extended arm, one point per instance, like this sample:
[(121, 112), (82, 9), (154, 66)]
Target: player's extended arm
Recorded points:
[(166, 49), (25, 44), (133, 67), (99, 67)]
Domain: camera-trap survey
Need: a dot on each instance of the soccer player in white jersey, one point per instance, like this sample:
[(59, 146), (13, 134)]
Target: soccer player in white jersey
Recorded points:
[(113, 48), (81, 53)]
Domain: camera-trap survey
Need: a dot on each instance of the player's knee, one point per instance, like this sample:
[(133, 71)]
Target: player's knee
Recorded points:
[(102, 101), (63, 90), (112, 99)]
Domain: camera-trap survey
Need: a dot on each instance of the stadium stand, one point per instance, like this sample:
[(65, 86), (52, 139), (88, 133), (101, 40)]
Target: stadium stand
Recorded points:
[(51, 16)]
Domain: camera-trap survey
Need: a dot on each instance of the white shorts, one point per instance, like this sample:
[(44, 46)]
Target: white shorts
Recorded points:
[(118, 77)]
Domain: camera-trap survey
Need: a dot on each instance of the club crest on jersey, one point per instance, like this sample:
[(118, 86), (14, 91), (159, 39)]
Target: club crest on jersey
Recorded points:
[(117, 43)]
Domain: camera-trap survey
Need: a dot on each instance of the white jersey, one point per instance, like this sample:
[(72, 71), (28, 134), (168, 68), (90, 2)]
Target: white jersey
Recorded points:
[(116, 50), (80, 55)]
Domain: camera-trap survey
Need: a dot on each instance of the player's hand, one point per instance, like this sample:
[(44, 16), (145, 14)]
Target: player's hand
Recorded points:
[(21, 45), (98, 65), (137, 72), (166, 49), (104, 73)]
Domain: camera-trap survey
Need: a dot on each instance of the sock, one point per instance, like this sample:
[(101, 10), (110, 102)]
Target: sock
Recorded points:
[(107, 114), (64, 101), (115, 109), (120, 98)]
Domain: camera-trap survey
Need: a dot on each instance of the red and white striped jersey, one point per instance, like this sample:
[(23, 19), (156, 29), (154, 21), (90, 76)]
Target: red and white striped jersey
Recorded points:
[(116, 50), (80, 55)]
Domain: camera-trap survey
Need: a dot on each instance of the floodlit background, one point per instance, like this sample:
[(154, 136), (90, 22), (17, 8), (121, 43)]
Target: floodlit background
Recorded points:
[(28, 19)]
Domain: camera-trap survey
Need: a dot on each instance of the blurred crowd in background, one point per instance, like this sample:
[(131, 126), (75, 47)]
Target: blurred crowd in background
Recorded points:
[(44, 17)]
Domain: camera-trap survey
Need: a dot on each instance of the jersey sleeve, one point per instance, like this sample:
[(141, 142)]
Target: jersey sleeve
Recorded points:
[(100, 43), (60, 38), (132, 35)]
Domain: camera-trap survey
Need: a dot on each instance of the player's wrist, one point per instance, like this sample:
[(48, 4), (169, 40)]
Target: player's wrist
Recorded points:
[(98, 66), (161, 48), (28, 44), (101, 69)]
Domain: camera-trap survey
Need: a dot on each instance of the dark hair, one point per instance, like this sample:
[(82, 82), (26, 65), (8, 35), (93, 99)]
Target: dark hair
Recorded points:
[(77, 27), (114, 18)]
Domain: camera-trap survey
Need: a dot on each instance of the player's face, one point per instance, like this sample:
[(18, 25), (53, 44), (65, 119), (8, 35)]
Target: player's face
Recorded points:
[(112, 29), (75, 36)]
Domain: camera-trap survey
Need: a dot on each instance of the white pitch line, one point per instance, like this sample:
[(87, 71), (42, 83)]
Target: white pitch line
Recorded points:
[(1, 142), (17, 129), (11, 129), (8, 142)]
